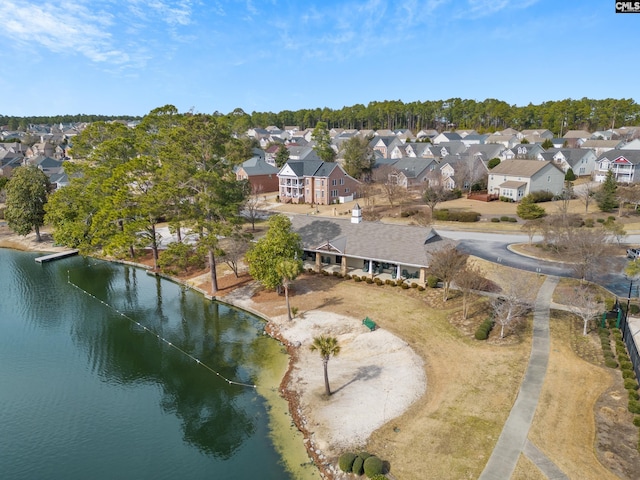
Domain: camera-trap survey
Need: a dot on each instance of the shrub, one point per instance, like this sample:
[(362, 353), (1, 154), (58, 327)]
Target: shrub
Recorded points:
[(446, 215), (633, 395), (634, 406), (335, 274), (347, 277), (356, 278), (369, 280), (420, 288), (541, 196), (404, 286), (364, 455), (400, 282), (495, 220), (628, 374), (414, 285), (505, 219), (634, 309), (372, 466), (432, 281), (600, 220), (377, 281), (636, 421), (528, 210), (611, 363), (630, 384), (357, 466), (482, 333), (294, 311), (505, 199), (345, 462), (388, 282), (625, 365), (589, 223)]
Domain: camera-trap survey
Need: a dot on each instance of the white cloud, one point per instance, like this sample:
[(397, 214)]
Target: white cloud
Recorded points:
[(102, 31)]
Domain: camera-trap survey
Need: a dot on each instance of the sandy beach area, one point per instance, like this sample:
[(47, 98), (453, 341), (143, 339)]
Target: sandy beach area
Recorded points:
[(375, 378)]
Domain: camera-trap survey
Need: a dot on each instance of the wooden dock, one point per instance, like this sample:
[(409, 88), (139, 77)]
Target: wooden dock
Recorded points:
[(56, 256)]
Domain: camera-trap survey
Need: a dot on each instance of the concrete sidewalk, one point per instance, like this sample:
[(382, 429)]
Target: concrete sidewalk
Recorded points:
[(513, 439)]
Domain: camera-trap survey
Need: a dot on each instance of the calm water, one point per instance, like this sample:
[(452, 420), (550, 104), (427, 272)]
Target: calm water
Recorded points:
[(87, 393)]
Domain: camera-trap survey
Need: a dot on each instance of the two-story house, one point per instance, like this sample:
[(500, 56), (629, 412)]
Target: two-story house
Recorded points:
[(623, 164), (515, 179), (581, 160), (315, 182)]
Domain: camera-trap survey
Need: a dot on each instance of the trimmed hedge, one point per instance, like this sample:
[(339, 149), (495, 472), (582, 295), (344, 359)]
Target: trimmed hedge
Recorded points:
[(372, 466), (447, 215), (358, 465), (482, 333), (345, 462)]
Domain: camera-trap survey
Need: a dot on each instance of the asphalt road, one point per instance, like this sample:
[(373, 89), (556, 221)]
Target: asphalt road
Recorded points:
[(494, 248)]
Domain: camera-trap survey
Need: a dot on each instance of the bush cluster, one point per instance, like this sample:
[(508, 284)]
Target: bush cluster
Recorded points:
[(447, 215), (363, 462), (432, 281), (541, 196), (505, 199), (482, 333)]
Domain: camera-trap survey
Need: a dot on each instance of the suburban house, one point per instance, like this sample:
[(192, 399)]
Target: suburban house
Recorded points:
[(623, 164), (262, 176), (515, 179), (582, 161), (524, 151), (447, 137), (536, 136), (601, 146), (318, 182), (372, 249), (575, 138), (507, 141), (384, 144), (410, 172)]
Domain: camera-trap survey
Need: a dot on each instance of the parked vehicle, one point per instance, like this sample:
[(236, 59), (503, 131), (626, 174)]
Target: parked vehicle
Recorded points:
[(633, 253)]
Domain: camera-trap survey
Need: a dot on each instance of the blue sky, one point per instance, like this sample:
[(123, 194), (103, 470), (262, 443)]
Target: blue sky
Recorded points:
[(127, 57)]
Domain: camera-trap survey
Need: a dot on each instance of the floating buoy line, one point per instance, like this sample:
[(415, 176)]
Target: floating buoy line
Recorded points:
[(157, 335)]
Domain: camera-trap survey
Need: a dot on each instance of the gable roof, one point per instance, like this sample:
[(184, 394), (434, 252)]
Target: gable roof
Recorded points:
[(403, 244), (258, 166), (522, 168), (633, 156)]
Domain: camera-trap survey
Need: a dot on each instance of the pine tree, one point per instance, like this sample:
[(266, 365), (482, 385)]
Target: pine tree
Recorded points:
[(606, 196)]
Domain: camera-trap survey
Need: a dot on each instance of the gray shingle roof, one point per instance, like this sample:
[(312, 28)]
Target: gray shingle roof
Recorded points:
[(401, 244)]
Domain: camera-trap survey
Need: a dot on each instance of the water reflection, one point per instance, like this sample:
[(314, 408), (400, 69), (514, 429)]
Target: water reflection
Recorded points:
[(214, 414)]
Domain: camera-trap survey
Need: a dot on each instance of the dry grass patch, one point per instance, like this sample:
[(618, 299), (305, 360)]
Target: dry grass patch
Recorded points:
[(564, 426), (527, 470)]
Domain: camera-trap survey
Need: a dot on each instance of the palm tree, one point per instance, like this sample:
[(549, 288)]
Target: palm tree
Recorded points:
[(327, 346), (288, 270)]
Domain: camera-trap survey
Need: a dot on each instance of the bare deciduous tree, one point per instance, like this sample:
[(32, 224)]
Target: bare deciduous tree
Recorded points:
[(515, 300), (584, 303), (435, 193), (467, 280), (253, 204), (233, 249), (585, 194), (446, 264)]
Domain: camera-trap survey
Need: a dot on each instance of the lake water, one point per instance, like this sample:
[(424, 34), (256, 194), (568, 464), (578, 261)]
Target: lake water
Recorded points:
[(87, 392)]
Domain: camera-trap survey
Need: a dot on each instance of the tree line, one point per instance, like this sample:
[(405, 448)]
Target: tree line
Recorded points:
[(22, 123), (487, 115)]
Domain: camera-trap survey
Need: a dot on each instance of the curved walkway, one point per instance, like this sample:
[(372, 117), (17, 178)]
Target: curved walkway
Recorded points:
[(513, 439)]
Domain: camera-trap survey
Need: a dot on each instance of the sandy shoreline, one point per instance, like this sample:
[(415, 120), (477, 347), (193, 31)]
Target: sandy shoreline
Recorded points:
[(376, 377)]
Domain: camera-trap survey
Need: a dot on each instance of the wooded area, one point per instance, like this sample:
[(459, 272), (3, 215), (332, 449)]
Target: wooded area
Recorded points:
[(484, 116)]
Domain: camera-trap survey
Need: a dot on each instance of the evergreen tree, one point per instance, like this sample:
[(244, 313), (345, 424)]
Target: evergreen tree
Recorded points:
[(606, 196), (282, 155), (322, 141), (528, 210), (26, 197)]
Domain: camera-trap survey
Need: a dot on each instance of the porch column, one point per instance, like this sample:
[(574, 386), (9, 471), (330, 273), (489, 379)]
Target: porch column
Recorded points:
[(343, 266), (370, 269), (318, 262), (423, 276), (398, 271)]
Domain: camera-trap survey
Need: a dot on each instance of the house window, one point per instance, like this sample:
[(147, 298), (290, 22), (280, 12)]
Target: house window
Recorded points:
[(308, 181), (334, 193), (549, 178), (322, 183), (346, 190), (334, 182), (307, 193), (342, 181)]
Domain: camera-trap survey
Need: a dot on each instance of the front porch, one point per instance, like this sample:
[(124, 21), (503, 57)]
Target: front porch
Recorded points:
[(343, 265)]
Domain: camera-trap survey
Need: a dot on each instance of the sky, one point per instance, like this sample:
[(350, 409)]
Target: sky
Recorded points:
[(117, 57)]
